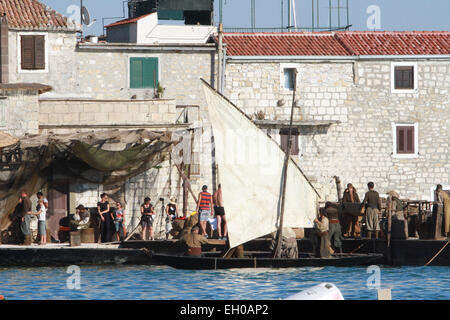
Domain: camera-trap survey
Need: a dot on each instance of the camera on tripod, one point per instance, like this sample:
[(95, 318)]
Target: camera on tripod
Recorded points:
[(161, 199)]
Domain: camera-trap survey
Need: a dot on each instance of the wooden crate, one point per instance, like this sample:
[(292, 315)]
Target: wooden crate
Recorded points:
[(87, 235), (75, 239)]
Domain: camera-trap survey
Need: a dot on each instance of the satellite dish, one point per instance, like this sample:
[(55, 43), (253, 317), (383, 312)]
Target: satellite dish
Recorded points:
[(85, 17)]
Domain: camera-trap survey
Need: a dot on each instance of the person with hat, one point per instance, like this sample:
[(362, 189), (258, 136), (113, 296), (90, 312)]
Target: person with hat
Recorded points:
[(395, 205), (194, 242), (172, 214), (204, 208)]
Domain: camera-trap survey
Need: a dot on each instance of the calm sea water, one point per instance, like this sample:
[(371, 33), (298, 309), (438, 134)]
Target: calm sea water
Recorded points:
[(164, 283)]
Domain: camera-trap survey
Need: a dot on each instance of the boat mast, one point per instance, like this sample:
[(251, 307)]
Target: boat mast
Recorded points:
[(285, 167)]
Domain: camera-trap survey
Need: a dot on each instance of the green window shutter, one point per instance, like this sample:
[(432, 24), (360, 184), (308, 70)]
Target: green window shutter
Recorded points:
[(150, 72), (144, 72), (136, 73), (3, 112)]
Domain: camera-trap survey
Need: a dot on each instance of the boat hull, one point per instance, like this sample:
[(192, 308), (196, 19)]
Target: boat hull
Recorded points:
[(213, 263)]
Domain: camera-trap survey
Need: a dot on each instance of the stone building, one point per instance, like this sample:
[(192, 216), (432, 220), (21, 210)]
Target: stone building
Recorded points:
[(371, 106), (95, 87)]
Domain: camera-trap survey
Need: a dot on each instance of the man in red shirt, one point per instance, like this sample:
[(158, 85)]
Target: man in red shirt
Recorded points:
[(204, 208)]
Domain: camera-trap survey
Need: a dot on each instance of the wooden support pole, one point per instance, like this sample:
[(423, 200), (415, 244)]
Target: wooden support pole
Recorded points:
[(187, 182), (287, 157)]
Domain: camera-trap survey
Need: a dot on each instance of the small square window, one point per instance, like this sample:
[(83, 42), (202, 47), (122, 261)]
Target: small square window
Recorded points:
[(289, 74), (143, 73), (32, 52), (405, 140), (404, 77)]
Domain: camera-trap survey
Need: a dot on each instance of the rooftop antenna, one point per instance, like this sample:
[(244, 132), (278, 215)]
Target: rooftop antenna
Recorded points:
[(85, 17), (293, 12)]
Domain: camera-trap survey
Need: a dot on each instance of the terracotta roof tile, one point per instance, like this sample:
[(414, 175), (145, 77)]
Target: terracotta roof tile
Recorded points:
[(33, 15), (283, 44), (344, 43), (396, 42)]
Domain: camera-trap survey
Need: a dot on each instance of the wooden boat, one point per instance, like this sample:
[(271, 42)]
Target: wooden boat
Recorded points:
[(285, 197), (265, 260)]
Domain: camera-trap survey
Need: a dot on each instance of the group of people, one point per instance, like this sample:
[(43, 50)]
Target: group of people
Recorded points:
[(22, 217), (209, 205), (329, 230), (109, 218)]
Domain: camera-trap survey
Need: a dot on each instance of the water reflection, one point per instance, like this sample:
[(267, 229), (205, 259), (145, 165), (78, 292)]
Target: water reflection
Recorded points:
[(156, 282)]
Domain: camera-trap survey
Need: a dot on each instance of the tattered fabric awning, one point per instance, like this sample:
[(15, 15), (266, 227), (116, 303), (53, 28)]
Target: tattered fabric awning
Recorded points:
[(103, 157), (7, 140)]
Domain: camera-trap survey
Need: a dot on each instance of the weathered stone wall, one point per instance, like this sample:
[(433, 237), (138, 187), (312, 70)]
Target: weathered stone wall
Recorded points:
[(21, 112), (62, 68), (321, 89), (359, 148), (104, 74), (106, 112)]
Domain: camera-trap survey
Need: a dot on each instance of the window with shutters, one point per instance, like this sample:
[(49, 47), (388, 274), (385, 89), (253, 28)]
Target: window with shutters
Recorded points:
[(405, 140), (284, 135), (404, 77), (32, 52), (144, 73)]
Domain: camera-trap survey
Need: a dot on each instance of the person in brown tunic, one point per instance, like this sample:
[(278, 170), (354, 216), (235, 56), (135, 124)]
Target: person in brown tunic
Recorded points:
[(334, 226), (372, 204), (194, 242), (446, 202), (319, 236), (25, 217), (351, 222)]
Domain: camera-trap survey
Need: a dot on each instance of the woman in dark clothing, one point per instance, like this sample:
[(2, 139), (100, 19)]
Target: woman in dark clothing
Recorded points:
[(106, 219), (351, 222), (147, 213)]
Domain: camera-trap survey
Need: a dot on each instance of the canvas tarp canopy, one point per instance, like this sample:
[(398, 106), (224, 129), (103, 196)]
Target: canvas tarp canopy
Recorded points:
[(250, 166), (105, 157)]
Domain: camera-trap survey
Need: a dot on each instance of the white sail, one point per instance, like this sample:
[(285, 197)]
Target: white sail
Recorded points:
[(250, 171)]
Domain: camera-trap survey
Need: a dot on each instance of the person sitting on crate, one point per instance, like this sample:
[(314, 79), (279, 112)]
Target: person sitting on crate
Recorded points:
[(289, 247), (193, 242)]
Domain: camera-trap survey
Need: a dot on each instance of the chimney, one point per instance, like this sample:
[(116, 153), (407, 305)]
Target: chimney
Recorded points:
[(4, 66)]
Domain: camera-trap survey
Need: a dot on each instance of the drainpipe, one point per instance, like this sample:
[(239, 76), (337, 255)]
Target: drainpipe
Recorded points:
[(224, 66), (4, 60), (220, 59)]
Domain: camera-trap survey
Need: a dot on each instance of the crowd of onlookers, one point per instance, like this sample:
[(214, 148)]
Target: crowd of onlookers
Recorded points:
[(109, 220)]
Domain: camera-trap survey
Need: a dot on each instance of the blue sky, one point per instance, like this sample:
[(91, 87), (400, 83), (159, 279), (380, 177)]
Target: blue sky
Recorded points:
[(394, 14)]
